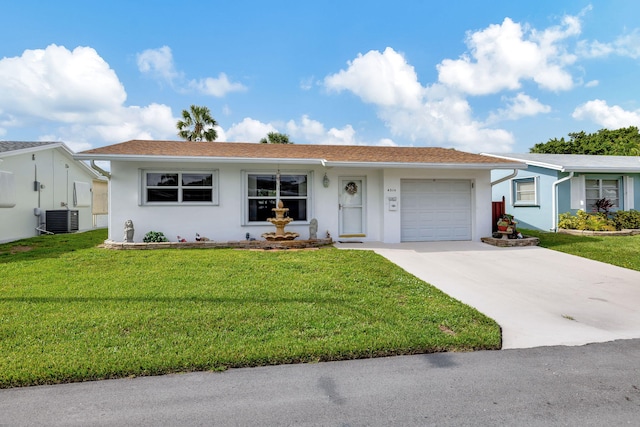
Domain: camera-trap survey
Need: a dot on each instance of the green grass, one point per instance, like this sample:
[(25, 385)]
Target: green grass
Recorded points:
[(70, 311), (623, 251)]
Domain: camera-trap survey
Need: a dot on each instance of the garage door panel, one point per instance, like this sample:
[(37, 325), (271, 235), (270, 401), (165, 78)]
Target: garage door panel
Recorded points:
[(435, 210)]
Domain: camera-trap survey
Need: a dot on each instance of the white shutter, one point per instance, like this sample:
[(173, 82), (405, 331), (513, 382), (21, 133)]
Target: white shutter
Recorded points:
[(628, 193), (81, 194), (7, 190), (577, 192)]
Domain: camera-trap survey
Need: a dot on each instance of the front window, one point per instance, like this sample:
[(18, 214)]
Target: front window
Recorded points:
[(179, 187), (525, 192), (264, 189), (597, 189)]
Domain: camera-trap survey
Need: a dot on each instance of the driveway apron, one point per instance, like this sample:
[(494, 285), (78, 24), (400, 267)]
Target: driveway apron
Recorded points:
[(538, 296)]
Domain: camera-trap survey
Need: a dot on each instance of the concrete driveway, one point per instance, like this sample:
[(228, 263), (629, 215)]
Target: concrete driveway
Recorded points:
[(538, 296)]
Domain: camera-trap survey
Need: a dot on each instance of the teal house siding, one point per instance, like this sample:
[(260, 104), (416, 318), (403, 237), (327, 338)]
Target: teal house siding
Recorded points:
[(579, 181)]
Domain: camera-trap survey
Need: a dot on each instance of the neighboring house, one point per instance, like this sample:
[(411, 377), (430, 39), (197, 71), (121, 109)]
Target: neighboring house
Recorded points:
[(226, 191), (557, 183), (43, 189)]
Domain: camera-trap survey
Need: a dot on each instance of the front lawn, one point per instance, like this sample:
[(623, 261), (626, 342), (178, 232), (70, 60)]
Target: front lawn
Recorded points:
[(70, 311), (623, 251)]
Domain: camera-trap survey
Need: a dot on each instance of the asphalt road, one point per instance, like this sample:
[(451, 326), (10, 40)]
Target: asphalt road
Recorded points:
[(592, 385)]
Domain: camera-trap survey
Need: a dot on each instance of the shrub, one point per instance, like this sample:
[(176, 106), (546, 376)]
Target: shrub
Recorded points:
[(154, 236), (585, 221), (627, 219)]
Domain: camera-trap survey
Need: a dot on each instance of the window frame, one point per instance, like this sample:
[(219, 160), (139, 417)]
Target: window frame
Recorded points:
[(246, 174), (515, 191), (180, 187), (590, 207)]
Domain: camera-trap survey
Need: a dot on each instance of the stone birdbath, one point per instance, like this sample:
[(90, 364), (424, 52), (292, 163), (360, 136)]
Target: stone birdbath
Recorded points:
[(280, 221)]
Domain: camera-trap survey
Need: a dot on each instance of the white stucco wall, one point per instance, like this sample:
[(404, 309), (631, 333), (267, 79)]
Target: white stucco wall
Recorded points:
[(224, 222), (48, 165)]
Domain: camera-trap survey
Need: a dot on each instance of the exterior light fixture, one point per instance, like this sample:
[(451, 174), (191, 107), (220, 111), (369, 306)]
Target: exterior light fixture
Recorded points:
[(325, 181)]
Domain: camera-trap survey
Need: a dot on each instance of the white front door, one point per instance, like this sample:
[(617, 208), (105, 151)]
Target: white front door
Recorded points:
[(352, 207)]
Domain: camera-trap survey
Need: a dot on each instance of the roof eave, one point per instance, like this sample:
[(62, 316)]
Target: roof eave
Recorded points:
[(298, 161), (605, 169), (405, 165), (35, 149)]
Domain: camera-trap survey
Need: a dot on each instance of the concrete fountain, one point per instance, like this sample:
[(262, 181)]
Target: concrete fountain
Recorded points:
[(280, 221)]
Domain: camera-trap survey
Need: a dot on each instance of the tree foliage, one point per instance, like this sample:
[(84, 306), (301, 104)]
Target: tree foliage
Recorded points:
[(276, 138), (619, 142), (197, 124)]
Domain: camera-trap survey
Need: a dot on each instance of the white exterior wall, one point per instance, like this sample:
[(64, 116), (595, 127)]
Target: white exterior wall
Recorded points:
[(224, 222), (19, 222)]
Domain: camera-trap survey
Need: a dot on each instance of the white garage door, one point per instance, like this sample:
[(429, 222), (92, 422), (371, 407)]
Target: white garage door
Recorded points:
[(434, 209)]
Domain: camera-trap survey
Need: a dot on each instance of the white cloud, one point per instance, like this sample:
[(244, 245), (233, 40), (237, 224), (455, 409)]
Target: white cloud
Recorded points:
[(248, 130), (502, 56), (158, 63), (613, 117), (384, 79), (521, 105), (59, 85), (304, 131), (627, 45), (78, 93), (433, 115), (314, 132), (592, 83), (217, 87)]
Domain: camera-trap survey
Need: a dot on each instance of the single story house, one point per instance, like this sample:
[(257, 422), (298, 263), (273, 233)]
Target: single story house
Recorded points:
[(226, 191), (43, 189), (557, 183)]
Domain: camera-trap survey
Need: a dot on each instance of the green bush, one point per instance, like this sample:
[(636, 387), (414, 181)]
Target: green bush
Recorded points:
[(627, 219), (599, 221), (154, 236), (586, 221)]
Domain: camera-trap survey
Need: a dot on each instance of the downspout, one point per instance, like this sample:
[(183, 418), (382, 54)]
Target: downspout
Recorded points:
[(100, 170), (554, 197), (504, 178)]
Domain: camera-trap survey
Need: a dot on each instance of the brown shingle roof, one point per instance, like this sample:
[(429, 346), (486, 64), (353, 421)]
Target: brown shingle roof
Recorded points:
[(330, 153)]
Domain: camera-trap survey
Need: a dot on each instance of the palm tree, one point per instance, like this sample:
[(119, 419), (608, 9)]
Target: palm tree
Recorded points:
[(276, 138), (197, 125)]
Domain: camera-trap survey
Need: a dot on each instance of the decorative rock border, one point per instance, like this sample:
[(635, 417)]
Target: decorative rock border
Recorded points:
[(241, 244), (626, 232), (508, 243)]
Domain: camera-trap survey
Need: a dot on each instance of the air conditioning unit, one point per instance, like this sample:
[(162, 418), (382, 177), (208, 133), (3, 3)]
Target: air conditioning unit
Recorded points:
[(61, 221)]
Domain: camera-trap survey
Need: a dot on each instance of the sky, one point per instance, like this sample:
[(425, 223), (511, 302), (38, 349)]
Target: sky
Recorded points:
[(478, 76)]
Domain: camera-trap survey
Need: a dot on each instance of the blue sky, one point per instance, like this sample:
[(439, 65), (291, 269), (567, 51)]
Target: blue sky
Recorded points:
[(494, 76)]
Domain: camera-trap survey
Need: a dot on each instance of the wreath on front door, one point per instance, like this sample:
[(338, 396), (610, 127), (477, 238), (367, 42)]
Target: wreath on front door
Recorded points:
[(351, 188)]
